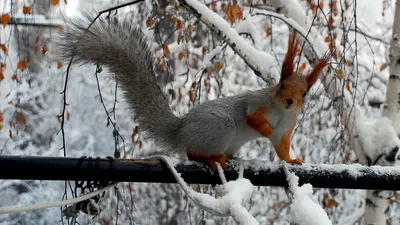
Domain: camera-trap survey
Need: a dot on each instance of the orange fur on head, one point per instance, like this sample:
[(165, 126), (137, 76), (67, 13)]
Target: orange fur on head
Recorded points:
[(319, 66), (293, 86), (288, 63)]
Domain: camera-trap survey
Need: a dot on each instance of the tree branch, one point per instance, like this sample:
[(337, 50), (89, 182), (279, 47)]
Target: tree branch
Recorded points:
[(260, 173), (260, 62)]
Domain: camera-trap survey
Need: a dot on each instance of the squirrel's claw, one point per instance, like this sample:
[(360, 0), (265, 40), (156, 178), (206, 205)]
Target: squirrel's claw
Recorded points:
[(295, 161), (210, 159)]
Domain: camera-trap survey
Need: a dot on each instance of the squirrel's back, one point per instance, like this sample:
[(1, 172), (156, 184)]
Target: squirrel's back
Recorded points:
[(123, 49)]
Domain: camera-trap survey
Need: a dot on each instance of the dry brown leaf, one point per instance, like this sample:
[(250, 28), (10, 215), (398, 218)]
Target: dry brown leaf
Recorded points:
[(149, 22), (349, 63), (302, 67), (3, 65), (331, 203), (340, 74), (14, 77), (44, 49), (4, 48), (181, 55), (37, 39), (218, 66), (179, 24), (192, 95), (10, 102), (383, 66), (1, 75), (330, 21), (158, 59), (20, 117), (268, 32), (1, 127), (313, 8), (321, 4), (11, 135), (5, 18), (167, 52), (65, 1), (59, 65), (68, 116), (22, 65), (55, 2), (233, 12), (190, 28), (339, 53), (333, 6), (26, 10), (348, 87), (1, 117), (163, 67)]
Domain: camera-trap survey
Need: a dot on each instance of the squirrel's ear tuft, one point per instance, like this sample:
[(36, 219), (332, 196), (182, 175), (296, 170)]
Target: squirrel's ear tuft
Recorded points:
[(319, 66), (288, 63)]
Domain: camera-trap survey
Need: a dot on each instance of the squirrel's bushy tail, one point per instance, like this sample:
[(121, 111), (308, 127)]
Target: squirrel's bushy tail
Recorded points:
[(123, 49)]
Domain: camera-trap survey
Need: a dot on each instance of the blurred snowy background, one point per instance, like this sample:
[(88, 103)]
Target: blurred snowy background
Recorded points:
[(31, 100)]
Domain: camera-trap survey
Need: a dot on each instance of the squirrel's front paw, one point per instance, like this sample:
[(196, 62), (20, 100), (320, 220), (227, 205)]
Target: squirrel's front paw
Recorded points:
[(296, 161)]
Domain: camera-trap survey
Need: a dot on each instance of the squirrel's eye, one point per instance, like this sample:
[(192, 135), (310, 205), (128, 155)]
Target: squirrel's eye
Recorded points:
[(282, 85), (304, 94)]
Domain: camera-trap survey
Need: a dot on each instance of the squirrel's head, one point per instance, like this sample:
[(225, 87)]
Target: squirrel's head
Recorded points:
[(293, 86)]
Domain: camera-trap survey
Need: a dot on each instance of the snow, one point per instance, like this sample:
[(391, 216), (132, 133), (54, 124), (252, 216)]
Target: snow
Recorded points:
[(247, 26), (320, 137), (209, 56), (247, 51), (303, 210), (377, 136), (234, 195)]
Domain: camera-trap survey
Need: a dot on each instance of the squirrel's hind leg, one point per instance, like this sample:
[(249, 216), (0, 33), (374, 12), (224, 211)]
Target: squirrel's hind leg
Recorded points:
[(209, 159)]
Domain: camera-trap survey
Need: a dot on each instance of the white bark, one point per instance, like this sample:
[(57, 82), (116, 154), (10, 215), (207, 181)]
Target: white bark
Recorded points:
[(377, 202), (392, 105)]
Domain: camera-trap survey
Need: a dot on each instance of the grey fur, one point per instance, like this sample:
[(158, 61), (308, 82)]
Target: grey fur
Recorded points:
[(214, 127), (122, 47)]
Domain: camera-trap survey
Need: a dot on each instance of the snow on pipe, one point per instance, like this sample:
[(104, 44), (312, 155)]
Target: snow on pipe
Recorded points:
[(260, 173)]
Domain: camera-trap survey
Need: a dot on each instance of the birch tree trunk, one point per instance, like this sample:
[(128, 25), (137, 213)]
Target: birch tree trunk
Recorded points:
[(377, 202)]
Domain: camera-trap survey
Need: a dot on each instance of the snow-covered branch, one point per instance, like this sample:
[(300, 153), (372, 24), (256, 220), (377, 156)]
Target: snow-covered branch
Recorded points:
[(260, 173), (260, 62), (234, 195), (303, 210)]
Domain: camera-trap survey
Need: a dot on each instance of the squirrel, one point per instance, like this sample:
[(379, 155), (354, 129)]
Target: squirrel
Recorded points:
[(212, 131)]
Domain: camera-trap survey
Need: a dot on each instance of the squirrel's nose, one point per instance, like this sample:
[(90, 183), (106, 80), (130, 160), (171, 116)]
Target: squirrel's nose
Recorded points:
[(289, 101)]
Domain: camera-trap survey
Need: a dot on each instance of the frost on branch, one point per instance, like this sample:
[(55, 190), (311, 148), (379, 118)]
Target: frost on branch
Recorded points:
[(233, 196), (261, 62), (378, 138), (303, 210)]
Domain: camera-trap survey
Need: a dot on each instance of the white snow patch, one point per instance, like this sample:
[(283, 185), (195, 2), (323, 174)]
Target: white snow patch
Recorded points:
[(303, 210), (377, 136)]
